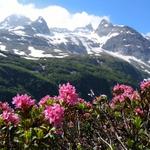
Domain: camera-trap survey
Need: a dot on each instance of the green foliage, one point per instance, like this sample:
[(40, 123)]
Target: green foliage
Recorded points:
[(42, 77), (95, 125)]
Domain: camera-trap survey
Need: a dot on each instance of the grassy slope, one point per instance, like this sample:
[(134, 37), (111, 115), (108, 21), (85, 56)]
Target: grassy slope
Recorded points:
[(42, 77)]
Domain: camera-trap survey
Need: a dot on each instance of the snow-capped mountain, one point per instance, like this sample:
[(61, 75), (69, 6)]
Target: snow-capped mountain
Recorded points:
[(34, 39), (40, 26), (13, 21), (124, 40)]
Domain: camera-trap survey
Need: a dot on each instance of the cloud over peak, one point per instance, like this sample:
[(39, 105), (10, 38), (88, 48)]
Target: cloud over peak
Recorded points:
[(56, 16)]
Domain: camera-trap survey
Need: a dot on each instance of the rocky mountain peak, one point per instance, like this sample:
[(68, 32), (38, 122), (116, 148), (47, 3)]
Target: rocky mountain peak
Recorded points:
[(14, 21), (104, 28), (89, 27), (40, 19), (40, 25), (105, 23)]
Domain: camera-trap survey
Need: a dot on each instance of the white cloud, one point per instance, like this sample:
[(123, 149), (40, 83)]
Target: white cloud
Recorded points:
[(56, 16)]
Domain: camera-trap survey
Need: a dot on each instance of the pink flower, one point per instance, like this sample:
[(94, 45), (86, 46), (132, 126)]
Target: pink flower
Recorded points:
[(54, 114), (59, 132), (145, 85), (44, 100), (122, 93), (68, 94), (112, 105), (139, 111), (121, 88), (10, 117), (5, 106), (23, 101), (135, 96), (87, 104)]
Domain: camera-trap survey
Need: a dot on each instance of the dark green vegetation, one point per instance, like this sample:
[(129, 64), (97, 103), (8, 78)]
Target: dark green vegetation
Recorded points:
[(41, 77)]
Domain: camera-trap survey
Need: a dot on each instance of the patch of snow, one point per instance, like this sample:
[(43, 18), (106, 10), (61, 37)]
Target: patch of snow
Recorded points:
[(124, 39), (57, 50), (41, 35), (19, 28), (18, 52), (75, 40), (102, 40), (33, 29), (128, 58), (117, 25), (3, 48), (55, 39), (85, 44), (97, 54), (116, 54), (4, 25), (106, 25), (61, 56), (38, 53), (19, 32), (129, 32), (58, 38), (96, 51), (138, 46), (148, 79), (128, 45), (40, 21), (8, 39), (147, 71), (31, 58), (2, 55)]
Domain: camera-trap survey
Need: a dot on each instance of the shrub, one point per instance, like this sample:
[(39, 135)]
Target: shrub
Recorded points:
[(69, 122)]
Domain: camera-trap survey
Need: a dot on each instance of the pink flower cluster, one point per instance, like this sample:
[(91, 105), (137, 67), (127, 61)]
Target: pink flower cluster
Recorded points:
[(8, 114), (10, 117), (44, 100), (139, 111), (87, 104), (145, 85), (4, 106), (23, 101), (54, 114), (68, 94), (123, 92), (121, 89)]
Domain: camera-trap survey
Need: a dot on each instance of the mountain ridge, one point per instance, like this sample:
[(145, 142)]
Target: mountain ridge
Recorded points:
[(35, 40)]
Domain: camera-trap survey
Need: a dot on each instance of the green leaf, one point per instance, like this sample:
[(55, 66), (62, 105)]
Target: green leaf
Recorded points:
[(79, 147), (27, 135), (39, 133), (117, 114), (137, 122), (81, 106), (130, 143), (1, 121)]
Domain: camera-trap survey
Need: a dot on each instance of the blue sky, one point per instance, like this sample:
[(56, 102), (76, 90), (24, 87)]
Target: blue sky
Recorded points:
[(134, 13)]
